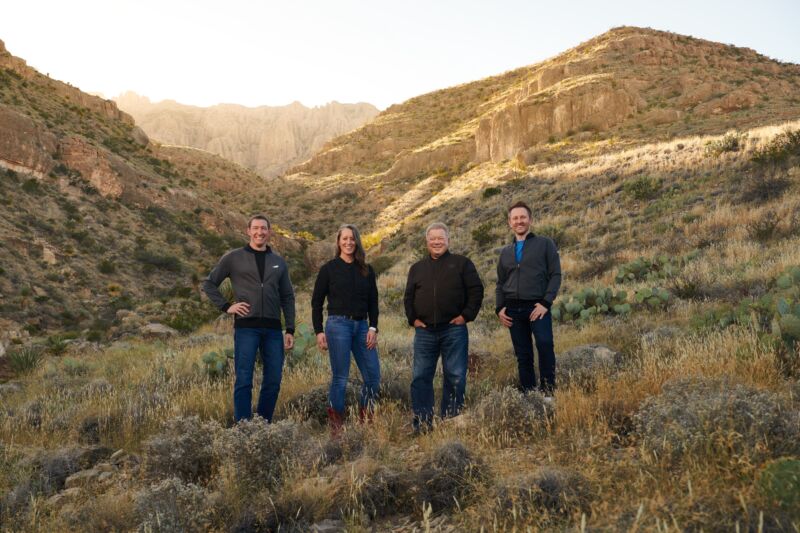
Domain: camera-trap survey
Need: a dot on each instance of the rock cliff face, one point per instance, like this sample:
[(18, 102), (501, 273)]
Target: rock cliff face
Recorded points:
[(265, 139), (614, 84)]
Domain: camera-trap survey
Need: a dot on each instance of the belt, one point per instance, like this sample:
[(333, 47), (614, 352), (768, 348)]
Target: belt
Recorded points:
[(350, 317)]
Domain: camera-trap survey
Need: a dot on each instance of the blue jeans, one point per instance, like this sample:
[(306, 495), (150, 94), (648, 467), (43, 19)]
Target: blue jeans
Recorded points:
[(452, 342), (345, 336), (542, 332), (246, 342)]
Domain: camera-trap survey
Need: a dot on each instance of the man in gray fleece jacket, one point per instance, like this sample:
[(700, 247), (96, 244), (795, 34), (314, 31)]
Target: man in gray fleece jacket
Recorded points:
[(261, 288), (528, 279)]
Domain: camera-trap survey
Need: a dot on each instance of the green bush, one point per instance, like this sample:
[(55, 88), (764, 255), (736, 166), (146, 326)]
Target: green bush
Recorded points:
[(730, 142), (152, 259), (484, 233), (779, 150), (106, 266), (642, 188), (216, 365), (383, 263), (780, 483), (24, 359), (491, 191)]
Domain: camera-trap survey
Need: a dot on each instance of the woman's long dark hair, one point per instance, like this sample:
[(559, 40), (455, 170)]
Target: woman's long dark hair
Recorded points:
[(360, 255)]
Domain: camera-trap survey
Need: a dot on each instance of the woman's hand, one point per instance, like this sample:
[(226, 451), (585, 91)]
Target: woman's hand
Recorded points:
[(322, 341), (372, 339)]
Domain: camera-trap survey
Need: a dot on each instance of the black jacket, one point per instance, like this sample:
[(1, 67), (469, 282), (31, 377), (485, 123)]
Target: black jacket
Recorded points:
[(536, 279), (267, 295), (439, 290), (349, 293)]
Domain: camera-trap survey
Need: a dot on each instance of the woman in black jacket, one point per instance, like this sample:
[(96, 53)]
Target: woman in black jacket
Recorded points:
[(348, 283)]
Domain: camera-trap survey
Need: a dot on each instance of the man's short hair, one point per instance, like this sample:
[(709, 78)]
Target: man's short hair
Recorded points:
[(437, 225), (522, 205), (258, 217)]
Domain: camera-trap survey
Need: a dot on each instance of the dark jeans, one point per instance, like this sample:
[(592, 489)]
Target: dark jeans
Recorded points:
[(542, 331), (452, 342), (345, 336), (246, 343)]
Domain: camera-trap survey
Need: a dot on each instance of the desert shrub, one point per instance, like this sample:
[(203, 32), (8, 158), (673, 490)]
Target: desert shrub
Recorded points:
[(642, 188), (653, 269), (174, 506), (509, 414), (258, 453), (448, 478), (106, 266), (24, 359), (559, 234), (75, 367), (730, 142), (560, 491), (760, 187), (714, 416), (484, 233), (764, 228), (373, 489), (383, 263), (779, 149), (152, 260), (313, 404), (779, 482), (183, 449), (582, 365), (347, 446), (488, 192)]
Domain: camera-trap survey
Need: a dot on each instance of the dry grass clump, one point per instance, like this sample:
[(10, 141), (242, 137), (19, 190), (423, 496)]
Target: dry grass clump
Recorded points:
[(449, 477), (551, 490), (716, 417), (184, 449), (174, 506), (582, 365), (373, 489), (346, 446), (257, 453), (508, 414), (313, 404)]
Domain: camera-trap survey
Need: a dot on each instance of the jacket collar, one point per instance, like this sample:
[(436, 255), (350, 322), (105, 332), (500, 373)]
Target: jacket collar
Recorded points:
[(445, 254), (530, 235), (252, 250)]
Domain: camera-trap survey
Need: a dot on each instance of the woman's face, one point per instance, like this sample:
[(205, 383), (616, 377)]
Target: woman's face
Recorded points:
[(347, 241)]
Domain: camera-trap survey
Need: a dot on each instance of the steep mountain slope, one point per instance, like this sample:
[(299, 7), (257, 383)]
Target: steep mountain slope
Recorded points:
[(625, 88), (95, 218), (265, 139)]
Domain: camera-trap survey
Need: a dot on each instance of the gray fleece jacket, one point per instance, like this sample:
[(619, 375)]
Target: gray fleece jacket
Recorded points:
[(535, 279), (267, 296)]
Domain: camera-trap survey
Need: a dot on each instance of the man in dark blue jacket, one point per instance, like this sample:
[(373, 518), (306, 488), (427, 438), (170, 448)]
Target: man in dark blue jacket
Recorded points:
[(528, 279), (262, 289), (443, 293)]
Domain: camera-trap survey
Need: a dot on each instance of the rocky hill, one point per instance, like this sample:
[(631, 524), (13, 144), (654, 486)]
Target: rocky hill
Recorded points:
[(265, 139), (95, 219), (623, 89)]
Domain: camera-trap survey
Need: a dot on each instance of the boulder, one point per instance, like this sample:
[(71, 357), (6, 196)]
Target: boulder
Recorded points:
[(82, 478), (159, 331), (319, 253)]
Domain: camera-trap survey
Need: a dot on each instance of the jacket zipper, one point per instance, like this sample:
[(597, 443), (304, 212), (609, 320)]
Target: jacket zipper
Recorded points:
[(435, 301)]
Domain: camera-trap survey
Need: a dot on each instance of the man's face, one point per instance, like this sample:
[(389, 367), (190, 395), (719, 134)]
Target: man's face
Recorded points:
[(437, 242), (519, 220), (258, 233)]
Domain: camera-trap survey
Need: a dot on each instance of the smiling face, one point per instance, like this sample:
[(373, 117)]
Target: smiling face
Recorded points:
[(437, 242), (347, 244), (520, 221), (259, 234)]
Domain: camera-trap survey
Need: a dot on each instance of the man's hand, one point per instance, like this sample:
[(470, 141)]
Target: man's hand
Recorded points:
[(322, 341), (538, 312), (458, 321), (239, 309), (288, 341), (372, 339), (419, 323), (504, 318)]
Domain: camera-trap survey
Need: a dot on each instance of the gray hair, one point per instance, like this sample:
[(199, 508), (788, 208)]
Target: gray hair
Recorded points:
[(437, 225)]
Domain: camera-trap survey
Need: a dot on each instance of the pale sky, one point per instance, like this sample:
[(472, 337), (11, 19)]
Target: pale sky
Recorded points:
[(250, 52)]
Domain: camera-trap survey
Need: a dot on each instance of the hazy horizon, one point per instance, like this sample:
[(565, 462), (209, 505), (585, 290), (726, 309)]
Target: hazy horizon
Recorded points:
[(270, 54)]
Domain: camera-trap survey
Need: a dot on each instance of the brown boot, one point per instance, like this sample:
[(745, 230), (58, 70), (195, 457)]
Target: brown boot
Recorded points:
[(335, 421)]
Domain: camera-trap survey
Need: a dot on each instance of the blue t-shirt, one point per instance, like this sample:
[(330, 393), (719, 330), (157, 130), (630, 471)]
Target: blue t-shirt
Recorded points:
[(518, 250)]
